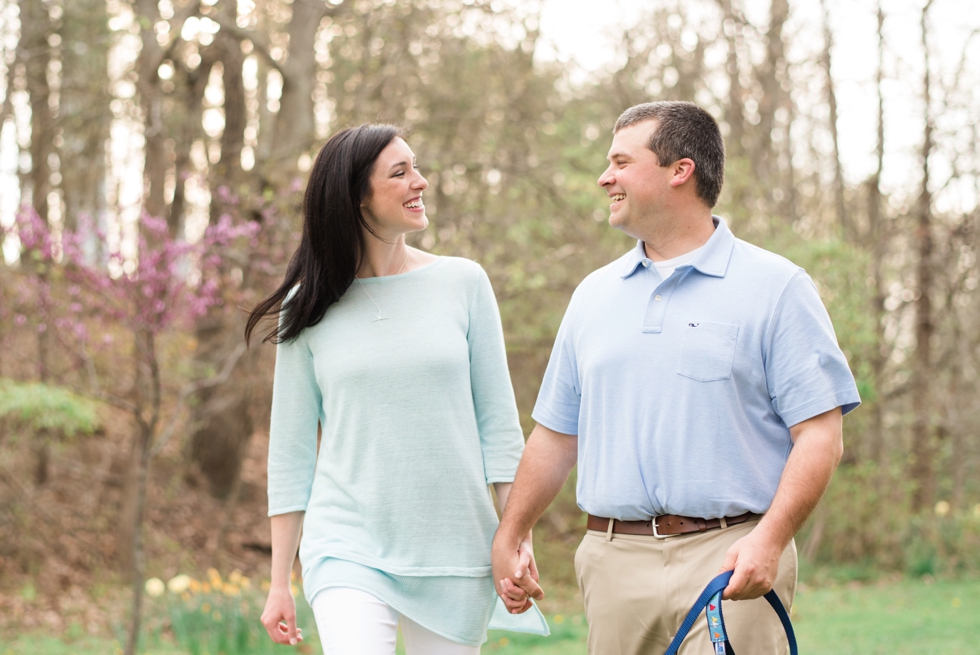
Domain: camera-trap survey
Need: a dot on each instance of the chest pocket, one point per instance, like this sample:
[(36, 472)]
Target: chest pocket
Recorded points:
[(707, 351)]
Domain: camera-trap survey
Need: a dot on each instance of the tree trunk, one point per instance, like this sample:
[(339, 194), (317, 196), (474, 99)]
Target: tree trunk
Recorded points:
[(923, 472), (222, 426), (221, 423), (825, 60), (735, 111), (295, 124), (135, 507), (146, 400), (36, 27), (35, 52), (84, 115), (878, 247), (151, 102), (770, 78)]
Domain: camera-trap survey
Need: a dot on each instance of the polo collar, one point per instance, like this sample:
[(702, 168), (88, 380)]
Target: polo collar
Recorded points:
[(712, 260)]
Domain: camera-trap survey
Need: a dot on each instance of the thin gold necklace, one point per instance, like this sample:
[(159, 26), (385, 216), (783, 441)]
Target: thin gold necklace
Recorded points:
[(379, 316)]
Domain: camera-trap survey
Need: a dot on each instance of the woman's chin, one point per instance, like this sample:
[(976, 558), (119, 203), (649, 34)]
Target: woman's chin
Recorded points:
[(420, 223)]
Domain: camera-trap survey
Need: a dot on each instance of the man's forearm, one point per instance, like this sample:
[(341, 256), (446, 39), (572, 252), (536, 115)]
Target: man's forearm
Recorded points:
[(548, 459), (816, 452)]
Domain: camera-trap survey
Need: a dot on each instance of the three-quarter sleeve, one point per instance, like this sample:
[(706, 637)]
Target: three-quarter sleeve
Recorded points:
[(498, 423), (296, 403)]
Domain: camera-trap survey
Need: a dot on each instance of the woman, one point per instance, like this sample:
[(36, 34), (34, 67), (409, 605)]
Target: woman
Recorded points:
[(398, 355)]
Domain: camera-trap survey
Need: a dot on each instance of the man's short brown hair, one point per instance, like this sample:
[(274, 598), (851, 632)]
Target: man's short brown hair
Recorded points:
[(684, 130)]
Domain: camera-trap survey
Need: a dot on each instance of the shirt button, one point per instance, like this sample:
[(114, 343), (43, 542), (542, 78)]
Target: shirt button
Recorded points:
[(646, 263), (657, 298)]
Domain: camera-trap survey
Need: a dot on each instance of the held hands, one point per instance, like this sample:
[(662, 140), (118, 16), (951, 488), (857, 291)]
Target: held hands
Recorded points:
[(755, 561), (515, 575), (279, 617)]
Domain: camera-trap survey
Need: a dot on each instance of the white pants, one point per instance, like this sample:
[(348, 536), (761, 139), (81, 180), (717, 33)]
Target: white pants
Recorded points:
[(353, 622)]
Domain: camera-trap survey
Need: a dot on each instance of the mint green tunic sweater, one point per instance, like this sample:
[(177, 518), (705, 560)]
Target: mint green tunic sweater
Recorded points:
[(418, 417)]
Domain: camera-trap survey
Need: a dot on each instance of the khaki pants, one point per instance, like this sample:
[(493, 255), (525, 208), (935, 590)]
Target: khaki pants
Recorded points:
[(638, 589)]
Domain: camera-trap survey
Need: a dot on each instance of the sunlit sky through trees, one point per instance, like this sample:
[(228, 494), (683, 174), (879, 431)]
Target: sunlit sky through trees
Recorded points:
[(586, 36)]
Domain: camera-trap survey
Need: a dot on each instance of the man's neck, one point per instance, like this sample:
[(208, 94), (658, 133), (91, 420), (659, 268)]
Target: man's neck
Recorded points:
[(678, 237)]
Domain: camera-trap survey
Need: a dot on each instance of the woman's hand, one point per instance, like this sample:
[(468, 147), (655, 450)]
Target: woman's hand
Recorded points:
[(279, 616), (515, 598)]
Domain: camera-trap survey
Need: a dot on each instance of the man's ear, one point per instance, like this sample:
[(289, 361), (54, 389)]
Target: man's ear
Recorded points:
[(682, 170)]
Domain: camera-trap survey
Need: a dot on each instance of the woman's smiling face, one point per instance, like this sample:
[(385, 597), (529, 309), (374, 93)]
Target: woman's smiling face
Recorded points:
[(393, 205)]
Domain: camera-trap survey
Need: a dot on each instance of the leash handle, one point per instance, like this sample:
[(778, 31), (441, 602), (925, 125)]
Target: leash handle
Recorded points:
[(715, 587)]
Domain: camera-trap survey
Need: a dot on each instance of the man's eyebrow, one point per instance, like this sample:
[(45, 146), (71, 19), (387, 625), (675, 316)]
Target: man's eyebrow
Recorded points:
[(618, 155)]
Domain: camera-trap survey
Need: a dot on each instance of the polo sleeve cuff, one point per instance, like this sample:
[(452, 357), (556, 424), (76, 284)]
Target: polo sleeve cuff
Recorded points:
[(276, 511), (846, 400), (552, 422)]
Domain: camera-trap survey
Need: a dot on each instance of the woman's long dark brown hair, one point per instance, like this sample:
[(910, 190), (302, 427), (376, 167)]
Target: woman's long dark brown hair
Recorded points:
[(330, 249)]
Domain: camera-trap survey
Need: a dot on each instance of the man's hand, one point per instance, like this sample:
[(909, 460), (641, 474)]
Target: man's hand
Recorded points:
[(755, 560), (515, 576), (279, 617)]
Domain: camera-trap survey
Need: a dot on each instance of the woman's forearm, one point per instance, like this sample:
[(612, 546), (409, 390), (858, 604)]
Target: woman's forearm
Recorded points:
[(502, 489), (285, 541)]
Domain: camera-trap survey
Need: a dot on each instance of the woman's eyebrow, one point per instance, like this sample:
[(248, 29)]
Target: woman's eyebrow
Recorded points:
[(396, 165)]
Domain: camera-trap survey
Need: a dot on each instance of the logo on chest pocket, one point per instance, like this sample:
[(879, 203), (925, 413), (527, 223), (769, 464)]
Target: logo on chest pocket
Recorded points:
[(707, 351)]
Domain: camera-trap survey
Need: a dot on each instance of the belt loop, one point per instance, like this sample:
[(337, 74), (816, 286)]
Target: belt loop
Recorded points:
[(609, 530), (723, 522)]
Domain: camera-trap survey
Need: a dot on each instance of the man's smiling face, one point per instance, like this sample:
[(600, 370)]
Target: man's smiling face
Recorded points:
[(634, 181)]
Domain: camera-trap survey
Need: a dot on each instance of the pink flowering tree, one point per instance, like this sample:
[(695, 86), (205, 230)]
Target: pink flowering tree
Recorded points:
[(167, 285)]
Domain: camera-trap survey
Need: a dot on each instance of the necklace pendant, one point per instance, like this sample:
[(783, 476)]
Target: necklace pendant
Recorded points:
[(379, 318)]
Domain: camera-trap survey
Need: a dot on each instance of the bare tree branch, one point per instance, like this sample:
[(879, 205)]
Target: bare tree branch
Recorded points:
[(193, 388)]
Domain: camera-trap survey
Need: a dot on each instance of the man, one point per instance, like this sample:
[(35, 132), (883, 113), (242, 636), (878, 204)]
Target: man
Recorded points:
[(698, 384)]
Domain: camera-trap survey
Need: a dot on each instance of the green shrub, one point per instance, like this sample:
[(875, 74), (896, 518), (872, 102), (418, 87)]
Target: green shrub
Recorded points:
[(35, 407)]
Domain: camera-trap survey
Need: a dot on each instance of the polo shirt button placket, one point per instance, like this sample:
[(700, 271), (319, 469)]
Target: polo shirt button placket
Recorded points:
[(653, 322)]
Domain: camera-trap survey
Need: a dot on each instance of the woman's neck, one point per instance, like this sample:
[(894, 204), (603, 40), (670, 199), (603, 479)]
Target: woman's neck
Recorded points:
[(381, 258)]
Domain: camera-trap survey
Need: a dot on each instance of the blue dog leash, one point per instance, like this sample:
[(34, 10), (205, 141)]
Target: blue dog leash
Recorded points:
[(710, 601)]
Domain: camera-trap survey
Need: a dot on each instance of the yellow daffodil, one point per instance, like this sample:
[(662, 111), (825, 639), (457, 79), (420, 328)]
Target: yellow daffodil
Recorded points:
[(154, 587), (179, 583)]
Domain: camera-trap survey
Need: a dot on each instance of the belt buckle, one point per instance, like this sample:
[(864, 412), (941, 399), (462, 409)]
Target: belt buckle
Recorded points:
[(656, 534)]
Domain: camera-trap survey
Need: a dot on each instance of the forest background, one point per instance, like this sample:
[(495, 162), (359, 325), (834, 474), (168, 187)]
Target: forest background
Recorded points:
[(153, 162)]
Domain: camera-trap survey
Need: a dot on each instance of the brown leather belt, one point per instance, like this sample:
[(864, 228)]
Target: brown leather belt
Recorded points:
[(666, 525)]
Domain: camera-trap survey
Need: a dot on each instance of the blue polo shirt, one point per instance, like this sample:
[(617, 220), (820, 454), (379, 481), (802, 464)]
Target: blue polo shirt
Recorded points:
[(682, 391)]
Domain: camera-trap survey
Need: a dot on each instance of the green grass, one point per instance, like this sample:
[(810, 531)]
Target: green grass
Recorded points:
[(904, 618), (895, 618)]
